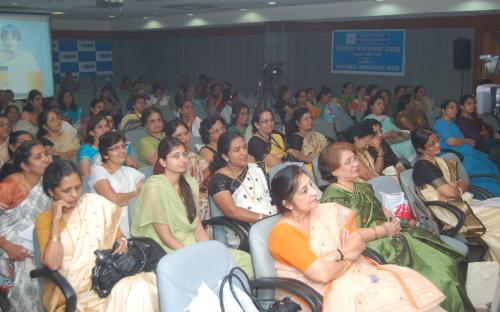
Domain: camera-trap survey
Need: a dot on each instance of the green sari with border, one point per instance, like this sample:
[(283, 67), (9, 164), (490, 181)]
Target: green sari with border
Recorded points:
[(414, 248)]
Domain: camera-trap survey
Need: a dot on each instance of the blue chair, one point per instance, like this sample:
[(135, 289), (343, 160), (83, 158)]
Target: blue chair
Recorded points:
[(325, 128), (147, 171), (320, 182)]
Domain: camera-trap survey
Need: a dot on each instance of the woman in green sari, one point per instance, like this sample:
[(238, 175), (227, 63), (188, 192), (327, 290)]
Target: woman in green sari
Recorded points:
[(166, 209), (408, 246)]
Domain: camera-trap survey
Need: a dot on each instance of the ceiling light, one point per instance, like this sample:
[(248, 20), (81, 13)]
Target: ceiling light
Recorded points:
[(379, 0), (145, 17), (243, 9), (189, 14), (111, 16), (272, 2), (14, 3), (57, 13)]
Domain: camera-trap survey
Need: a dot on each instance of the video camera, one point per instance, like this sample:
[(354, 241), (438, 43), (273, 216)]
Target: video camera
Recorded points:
[(270, 71)]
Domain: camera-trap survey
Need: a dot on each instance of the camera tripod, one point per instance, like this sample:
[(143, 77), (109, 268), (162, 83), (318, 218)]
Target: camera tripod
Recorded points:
[(264, 94)]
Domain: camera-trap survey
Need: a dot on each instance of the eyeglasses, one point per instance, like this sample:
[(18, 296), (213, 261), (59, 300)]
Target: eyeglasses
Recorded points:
[(351, 161), (268, 121), (432, 142), (122, 147), (217, 130), (178, 156)]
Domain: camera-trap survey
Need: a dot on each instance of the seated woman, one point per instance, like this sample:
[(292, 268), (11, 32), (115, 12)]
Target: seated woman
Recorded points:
[(132, 120), (16, 138), (188, 115), (437, 179), (303, 100), (409, 246), (284, 103), (211, 129), (116, 182), (147, 148), (266, 146), (303, 144), (237, 187), (197, 167), (358, 105), (239, 119), (347, 95), (424, 103), (29, 116), (320, 245), (392, 165), (400, 143), (5, 130), (475, 128), (408, 117), (475, 162), (167, 207), (68, 237), (96, 106), (60, 144), (362, 137), (214, 103), (332, 111), (68, 109), (21, 200)]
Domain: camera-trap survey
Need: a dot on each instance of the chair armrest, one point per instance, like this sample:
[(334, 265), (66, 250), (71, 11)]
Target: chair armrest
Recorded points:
[(61, 282), (480, 191), (234, 226), (484, 175), (458, 154), (306, 293), (375, 256), (454, 210)]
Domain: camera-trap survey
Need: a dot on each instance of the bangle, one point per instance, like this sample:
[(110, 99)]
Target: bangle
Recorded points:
[(55, 238), (341, 255), (380, 155), (461, 192), (123, 238), (376, 234)]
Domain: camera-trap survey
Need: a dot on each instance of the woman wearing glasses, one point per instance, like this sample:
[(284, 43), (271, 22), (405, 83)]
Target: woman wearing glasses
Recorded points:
[(211, 129), (114, 181), (167, 207)]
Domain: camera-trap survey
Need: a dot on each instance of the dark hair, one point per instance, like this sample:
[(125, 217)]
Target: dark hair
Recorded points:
[(329, 159), (461, 101), (223, 147), (359, 88), (172, 125), (310, 89), (397, 88), (256, 117), (345, 85), (419, 138), (31, 95), (446, 103), (297, 94), (235, 113), (9, 107), (282, 90), (94, 103), (292, 125), (13, 139), (403, 101), (382, 91), (148, 112), (164, 148), (371, 88), (371, 102), (93, 122), (284, 185), (323, 91), (372, 122), (205, 126), (418, 88), (107, 140), (23, 153), (134, 99), (360, 130), (156, 87), (60, 101), (181, 102), (42, 121), (55, 172)]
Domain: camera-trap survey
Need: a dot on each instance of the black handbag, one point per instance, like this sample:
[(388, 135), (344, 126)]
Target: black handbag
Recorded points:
[(142, 256), (283, 305)]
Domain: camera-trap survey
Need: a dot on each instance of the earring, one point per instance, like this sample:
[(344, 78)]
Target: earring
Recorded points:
[(226, 159)]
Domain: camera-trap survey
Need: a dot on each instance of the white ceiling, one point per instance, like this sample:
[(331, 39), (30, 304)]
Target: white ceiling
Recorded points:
[(165, 14)]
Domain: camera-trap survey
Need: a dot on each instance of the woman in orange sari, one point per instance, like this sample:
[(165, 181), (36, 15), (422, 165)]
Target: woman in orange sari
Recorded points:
[(320, 245)]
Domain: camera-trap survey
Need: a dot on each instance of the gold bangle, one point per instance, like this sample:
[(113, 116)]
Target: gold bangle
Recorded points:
[(375, 230), (55, 238), (260, 216)]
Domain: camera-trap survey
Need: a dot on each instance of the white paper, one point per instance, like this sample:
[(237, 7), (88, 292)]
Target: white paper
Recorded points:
[(27, 238)]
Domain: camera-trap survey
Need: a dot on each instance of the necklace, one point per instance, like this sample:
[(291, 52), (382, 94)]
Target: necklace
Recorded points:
[(252, 196)]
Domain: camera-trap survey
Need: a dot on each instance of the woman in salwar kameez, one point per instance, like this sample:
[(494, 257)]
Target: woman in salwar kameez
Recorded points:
[(320, 245), (21, 200), (69, 233), (167, 210), (413, 247)]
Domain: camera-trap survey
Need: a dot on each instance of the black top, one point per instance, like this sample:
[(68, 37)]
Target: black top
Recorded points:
[(221, 182), (390, 159), (258, 146), (279, 106), (7, 169), (295, 141), (425, 172), (209, 148)]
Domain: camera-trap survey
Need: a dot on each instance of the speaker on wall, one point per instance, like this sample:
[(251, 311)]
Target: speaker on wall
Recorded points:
[(461, 54)]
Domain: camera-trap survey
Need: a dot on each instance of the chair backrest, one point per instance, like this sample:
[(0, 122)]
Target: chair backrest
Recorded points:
[(320, 182), (325, 128), (130, 209), (218, 230), (263, 263), (420, 211), (196, 144), (384, 184), (85, 185), (135, 135), (462, 174), (342, 121), (147, 171), (492, 121), (277, 168), (180, 273)]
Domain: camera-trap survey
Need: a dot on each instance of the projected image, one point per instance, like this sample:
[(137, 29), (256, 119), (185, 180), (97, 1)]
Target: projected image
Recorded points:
[(25, 61)]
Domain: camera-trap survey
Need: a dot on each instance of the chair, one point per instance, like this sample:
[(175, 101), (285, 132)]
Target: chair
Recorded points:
[(196, 144), (180, 273), (135, 135), (147, 171), (423, 214), (325, 128), (387, 184), (54, 276), (492, 121), (85, 185), (320, 182)]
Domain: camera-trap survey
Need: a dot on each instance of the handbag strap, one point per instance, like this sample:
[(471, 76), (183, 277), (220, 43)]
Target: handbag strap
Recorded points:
[(229, 279), (140, 268)]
